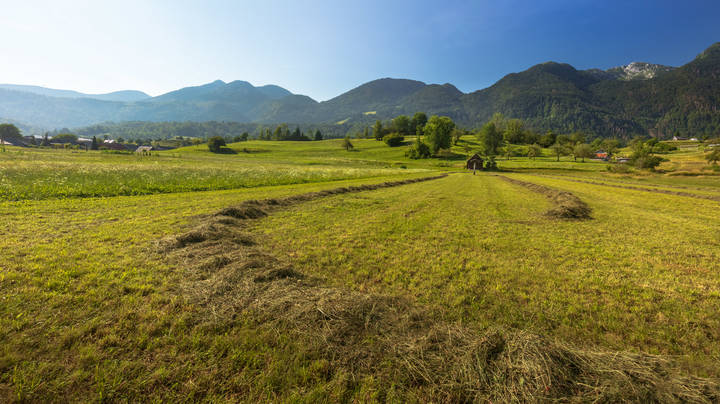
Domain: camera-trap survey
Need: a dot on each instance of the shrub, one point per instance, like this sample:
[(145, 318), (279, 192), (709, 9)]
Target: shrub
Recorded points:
[(216, 143), (393, 139), (648, 162), (418, 151), (619, 168)]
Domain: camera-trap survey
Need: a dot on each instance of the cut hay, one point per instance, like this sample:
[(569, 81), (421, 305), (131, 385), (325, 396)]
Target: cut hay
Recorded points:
[(566, 204), (425, 357)]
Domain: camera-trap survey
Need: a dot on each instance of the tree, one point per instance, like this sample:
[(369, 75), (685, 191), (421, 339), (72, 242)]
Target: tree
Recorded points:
[(514, 131), (559, 150), (244, 137), (65, 138), (438, 132), (577, 138), (216, 143), (401, 125), (94, 145), (346, 144), (393, 139), (417, 123), (366, 133), (714, 156), (611, 146), (419, 150), (499, 120), (509, 150), (534, 150), (491, 139), (9, 132), (456, 135), (318, 135), (46, 140), (582, 150), (547, 139), (378, 130), (195, 141)]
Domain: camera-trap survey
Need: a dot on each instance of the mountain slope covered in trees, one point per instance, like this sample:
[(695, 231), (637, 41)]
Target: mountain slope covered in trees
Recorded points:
[(639, 98)]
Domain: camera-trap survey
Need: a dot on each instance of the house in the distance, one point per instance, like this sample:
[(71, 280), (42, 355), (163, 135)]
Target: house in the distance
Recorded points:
[(144, 150), (601, 154)]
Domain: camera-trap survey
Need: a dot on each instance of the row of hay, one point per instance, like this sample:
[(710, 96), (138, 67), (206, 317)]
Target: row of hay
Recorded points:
[(423, 356), (566, 204), (636, 188)]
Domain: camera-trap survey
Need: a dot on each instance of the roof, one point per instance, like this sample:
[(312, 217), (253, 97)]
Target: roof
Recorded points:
[(475, 157), (143, 149)]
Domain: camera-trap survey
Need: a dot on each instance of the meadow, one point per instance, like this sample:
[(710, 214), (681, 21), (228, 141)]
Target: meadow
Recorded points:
[(94, 307)]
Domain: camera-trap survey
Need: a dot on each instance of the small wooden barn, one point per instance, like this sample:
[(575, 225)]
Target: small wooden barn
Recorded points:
[(474, 163)]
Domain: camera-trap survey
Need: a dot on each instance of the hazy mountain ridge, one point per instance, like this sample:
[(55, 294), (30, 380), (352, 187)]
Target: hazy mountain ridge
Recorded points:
[(120, 96), (622, 101)]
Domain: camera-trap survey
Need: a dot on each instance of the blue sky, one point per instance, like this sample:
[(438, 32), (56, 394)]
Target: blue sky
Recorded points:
[(323, 48)]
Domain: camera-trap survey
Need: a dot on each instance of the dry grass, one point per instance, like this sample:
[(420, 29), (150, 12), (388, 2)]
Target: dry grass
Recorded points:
[(566, 205), (644, 189), (425, 357)]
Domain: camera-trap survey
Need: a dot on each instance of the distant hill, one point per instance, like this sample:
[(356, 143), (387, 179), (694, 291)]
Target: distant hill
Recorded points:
[(121, 96), (638, 98)]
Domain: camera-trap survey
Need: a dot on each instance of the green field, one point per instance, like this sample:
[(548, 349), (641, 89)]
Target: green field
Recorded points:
[(94, 305)]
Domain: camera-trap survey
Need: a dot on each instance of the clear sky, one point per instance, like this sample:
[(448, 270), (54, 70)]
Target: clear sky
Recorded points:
[(323, 48)]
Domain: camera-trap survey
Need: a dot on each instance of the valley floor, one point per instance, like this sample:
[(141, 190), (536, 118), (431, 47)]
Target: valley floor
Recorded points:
[(93, 307)]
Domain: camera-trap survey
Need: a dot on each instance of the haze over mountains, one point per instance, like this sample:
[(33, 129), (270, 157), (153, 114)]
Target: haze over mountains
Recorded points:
[(637, 98)]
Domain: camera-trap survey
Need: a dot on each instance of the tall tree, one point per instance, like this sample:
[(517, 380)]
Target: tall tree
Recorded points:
[(401, 125), (378, 130), (491, 139), (417, 124), (438, 131), (558, 150), (318, 135), (346, 144), (514, 131), (582, 151)]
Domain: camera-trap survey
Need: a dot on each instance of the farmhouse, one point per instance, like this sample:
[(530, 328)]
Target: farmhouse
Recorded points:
[(601, 154), (112, 145), (144, 149), (474, 163)]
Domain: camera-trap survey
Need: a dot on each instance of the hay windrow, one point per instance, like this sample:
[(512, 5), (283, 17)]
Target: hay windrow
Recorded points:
[(413, 347), (566, 204), (643, 189)]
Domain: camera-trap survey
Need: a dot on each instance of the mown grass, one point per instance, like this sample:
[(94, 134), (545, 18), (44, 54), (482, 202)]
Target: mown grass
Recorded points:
[(639, 276), (91, 312)]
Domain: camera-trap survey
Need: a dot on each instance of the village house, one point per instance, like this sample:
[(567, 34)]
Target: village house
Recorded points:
[(602, 155)]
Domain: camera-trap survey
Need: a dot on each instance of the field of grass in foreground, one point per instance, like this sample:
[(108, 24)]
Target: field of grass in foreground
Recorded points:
[(90, 310), (640, 276)]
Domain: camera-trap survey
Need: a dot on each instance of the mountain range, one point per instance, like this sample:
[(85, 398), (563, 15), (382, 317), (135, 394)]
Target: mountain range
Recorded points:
[(638, 98)]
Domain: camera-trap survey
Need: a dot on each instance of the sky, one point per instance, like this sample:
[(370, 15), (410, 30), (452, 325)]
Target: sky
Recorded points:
[(323, 48)]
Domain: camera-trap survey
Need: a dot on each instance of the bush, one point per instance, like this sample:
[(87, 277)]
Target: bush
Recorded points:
[(418, 151), (393, 139), (619, 168), (647, 162), (215, 144)]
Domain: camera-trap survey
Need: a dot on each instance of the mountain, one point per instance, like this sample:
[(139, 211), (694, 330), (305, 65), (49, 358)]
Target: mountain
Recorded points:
[(121, 96), (637, 98)]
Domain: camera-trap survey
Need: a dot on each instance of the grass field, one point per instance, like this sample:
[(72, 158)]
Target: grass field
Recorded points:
[(93, 308)]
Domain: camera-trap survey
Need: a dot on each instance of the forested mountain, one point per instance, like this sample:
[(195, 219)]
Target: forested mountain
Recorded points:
[(638, 98)]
